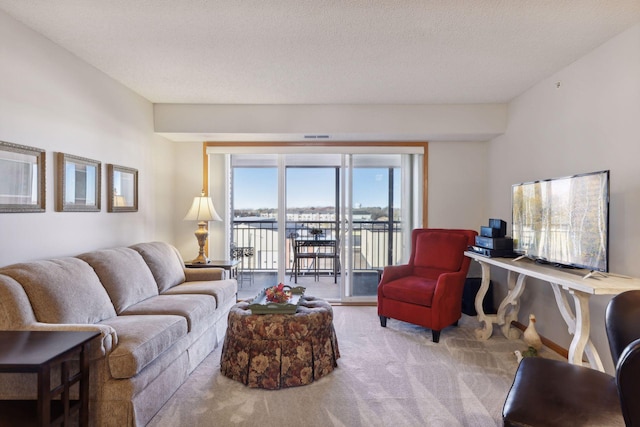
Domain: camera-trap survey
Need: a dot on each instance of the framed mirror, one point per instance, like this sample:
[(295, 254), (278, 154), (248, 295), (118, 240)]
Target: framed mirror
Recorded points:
[(77, 184), (122, 189), (22, 186)]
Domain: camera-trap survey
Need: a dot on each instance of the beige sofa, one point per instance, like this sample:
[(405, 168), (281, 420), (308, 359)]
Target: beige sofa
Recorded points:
[(157, 322)]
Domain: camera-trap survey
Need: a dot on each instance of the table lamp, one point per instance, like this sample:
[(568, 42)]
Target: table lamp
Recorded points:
[(202, 210)]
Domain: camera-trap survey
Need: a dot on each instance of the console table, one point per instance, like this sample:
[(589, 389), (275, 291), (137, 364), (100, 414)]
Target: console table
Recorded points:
[(37, 352), (563, 283)]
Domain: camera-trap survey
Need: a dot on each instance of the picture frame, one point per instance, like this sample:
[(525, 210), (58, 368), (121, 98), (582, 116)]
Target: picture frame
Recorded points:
[(23, 172), (122, 189), (78, 184)]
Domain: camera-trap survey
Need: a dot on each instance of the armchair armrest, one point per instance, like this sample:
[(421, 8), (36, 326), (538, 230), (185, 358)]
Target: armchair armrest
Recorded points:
[(447, 297), (204, 274), (394, 272)]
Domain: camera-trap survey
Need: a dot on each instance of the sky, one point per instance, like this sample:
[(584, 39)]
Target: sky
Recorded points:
[(306, 187)]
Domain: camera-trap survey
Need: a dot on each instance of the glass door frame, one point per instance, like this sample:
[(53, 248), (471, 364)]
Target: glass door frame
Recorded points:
[(336, 225), (212, 180)]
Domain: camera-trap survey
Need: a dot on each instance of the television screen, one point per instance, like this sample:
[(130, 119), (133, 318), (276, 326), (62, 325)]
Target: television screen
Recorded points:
[(563, 221)]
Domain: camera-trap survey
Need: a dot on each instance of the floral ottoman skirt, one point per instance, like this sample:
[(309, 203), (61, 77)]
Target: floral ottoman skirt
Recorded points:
[(274, 351)]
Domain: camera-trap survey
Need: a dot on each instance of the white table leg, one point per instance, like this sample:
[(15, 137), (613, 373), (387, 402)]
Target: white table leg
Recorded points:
[(579, 326), (593, 357), (510, 306), (583, 327), (486, 320), (508, 309)]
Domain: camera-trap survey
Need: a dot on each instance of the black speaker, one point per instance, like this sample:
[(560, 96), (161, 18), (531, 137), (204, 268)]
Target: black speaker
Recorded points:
[(490, 232), (471, 288), (494, 242), (499, 225)]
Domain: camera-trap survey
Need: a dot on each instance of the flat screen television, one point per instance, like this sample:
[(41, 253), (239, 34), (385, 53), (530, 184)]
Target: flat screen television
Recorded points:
[(563, 221)]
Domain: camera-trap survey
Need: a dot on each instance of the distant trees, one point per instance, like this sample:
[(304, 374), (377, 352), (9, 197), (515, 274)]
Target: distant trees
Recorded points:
[(374, 213)]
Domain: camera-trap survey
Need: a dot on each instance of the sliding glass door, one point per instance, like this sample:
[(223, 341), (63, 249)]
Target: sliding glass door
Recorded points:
[(328, 222), (255, 211), (313, 225), (375, 236)]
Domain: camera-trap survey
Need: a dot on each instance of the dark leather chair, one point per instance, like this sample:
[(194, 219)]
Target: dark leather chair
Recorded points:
[(428, 290), (555, 393)]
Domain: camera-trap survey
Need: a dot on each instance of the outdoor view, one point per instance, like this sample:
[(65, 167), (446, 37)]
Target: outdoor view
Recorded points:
[(312, 203), (310, 191)]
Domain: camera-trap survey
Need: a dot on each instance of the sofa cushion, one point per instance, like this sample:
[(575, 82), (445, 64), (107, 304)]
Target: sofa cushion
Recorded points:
[(411, 289), (124, 275), (63, 290), (141, 339), (222, 290), (196, 309), (165, 263)]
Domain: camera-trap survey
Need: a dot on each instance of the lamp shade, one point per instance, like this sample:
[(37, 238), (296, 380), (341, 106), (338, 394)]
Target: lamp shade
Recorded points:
[(202, 210)]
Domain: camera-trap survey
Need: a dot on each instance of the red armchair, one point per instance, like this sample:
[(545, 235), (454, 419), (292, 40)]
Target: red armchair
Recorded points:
[(428, 290)]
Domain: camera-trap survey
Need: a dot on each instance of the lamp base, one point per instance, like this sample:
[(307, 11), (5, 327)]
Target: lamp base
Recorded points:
[(201, 235), (201, 260)]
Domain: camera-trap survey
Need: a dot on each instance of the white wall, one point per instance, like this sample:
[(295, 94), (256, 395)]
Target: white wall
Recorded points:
[(460, 122), (457, 185), (591, 122), (50, 99)]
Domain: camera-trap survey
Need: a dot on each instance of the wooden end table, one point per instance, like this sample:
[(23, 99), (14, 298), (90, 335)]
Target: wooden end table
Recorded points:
[(231, 265), (36, 352)]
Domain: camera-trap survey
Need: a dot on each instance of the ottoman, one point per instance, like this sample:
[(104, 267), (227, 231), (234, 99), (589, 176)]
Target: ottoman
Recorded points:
[(274, 351)]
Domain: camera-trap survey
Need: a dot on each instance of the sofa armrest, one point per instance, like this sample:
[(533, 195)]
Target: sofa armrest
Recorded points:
[(98, 348), (204, 274)]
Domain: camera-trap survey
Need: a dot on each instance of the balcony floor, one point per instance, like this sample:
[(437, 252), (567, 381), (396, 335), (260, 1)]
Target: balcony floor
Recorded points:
[(250, 283)]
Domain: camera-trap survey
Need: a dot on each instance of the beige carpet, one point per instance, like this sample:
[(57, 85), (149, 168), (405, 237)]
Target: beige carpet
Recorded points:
[(392, 376)]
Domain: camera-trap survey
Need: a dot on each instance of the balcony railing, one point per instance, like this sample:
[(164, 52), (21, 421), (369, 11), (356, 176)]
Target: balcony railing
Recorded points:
[(375, 244)]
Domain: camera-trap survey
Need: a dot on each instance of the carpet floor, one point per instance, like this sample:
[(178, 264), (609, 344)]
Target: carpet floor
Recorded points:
[(394, 376)]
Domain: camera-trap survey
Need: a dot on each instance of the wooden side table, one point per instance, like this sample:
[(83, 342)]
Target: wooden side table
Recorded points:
[(231, 265), (36, 352)]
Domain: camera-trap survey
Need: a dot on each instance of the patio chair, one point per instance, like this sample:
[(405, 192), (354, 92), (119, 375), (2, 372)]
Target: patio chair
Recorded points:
[(300, 255), (329, 251)]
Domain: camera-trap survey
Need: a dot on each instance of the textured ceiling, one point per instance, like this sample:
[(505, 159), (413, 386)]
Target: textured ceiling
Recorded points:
[(327, 51)]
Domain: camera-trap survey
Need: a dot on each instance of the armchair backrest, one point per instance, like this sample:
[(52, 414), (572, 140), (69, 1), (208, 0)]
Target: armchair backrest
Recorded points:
[(623, 331), (622, 319), (435, 251)]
